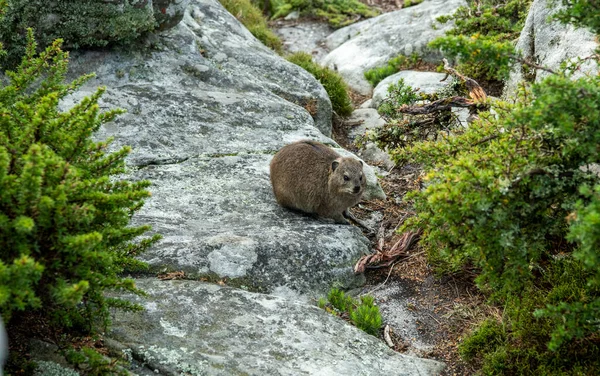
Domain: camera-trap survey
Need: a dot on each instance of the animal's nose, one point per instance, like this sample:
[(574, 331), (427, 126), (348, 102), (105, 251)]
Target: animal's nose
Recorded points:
[(356, 188)]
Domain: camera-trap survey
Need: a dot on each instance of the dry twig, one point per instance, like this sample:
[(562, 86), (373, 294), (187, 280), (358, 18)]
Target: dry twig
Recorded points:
[(386, 336)]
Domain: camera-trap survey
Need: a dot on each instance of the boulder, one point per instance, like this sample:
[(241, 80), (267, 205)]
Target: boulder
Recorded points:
[(549, 43), (208, 105), (371, 43), (195, 328)]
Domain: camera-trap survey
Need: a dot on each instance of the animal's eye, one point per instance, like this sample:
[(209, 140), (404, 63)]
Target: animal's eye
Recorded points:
[(360, 178), (346, 178)]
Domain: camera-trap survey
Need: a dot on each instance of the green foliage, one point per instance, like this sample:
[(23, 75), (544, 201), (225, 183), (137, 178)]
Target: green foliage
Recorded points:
[(338, 13), (251, 17), (396, 64), (480, 56), (483, 36), (364, 314), (332, 82), (410, 3), (76, 22), (64, 218)]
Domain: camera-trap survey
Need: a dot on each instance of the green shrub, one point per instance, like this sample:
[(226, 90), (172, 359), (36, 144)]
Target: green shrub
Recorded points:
[(338, 13), (483, 35), (512, 197), (64, 218), (80, 23), (504, 196), (251, 17), (364, 314), (333, 83), (395, 65)]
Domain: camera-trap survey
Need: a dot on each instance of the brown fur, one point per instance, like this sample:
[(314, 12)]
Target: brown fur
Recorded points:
[(309, 176)]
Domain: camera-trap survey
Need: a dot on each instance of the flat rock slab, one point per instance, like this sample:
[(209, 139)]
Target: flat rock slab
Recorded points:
[(371, 43), (195, 328)]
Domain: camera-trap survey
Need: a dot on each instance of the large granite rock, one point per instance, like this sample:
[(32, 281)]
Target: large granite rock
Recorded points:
[(194, 328), (550, 43), (371, 43), (208, 105)]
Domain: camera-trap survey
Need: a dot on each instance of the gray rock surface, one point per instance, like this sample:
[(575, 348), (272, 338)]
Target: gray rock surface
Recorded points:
[(208, 105), (194, 328), (549, 43), (371, 43), (425, 82)]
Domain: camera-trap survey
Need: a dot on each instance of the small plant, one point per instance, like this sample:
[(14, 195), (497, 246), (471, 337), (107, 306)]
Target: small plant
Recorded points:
[(395, 65), (364, 314), (398, 94), (251, 17), (333, 83)]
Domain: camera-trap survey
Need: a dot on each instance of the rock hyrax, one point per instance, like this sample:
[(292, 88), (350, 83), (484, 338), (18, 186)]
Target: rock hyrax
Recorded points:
[(310, 177)]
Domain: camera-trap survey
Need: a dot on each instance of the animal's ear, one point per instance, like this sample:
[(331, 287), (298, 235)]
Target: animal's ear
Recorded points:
[(334, 165)]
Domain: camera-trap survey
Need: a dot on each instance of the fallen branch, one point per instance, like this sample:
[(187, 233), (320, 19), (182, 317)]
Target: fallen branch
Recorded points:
[(477, 95), (437, 106)]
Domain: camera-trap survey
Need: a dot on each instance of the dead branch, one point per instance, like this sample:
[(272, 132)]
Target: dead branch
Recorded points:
[(436, 106), (382, 258), (530, 63)]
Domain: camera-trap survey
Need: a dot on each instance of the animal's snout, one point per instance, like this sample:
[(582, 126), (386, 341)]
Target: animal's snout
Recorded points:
[(356, 188)]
